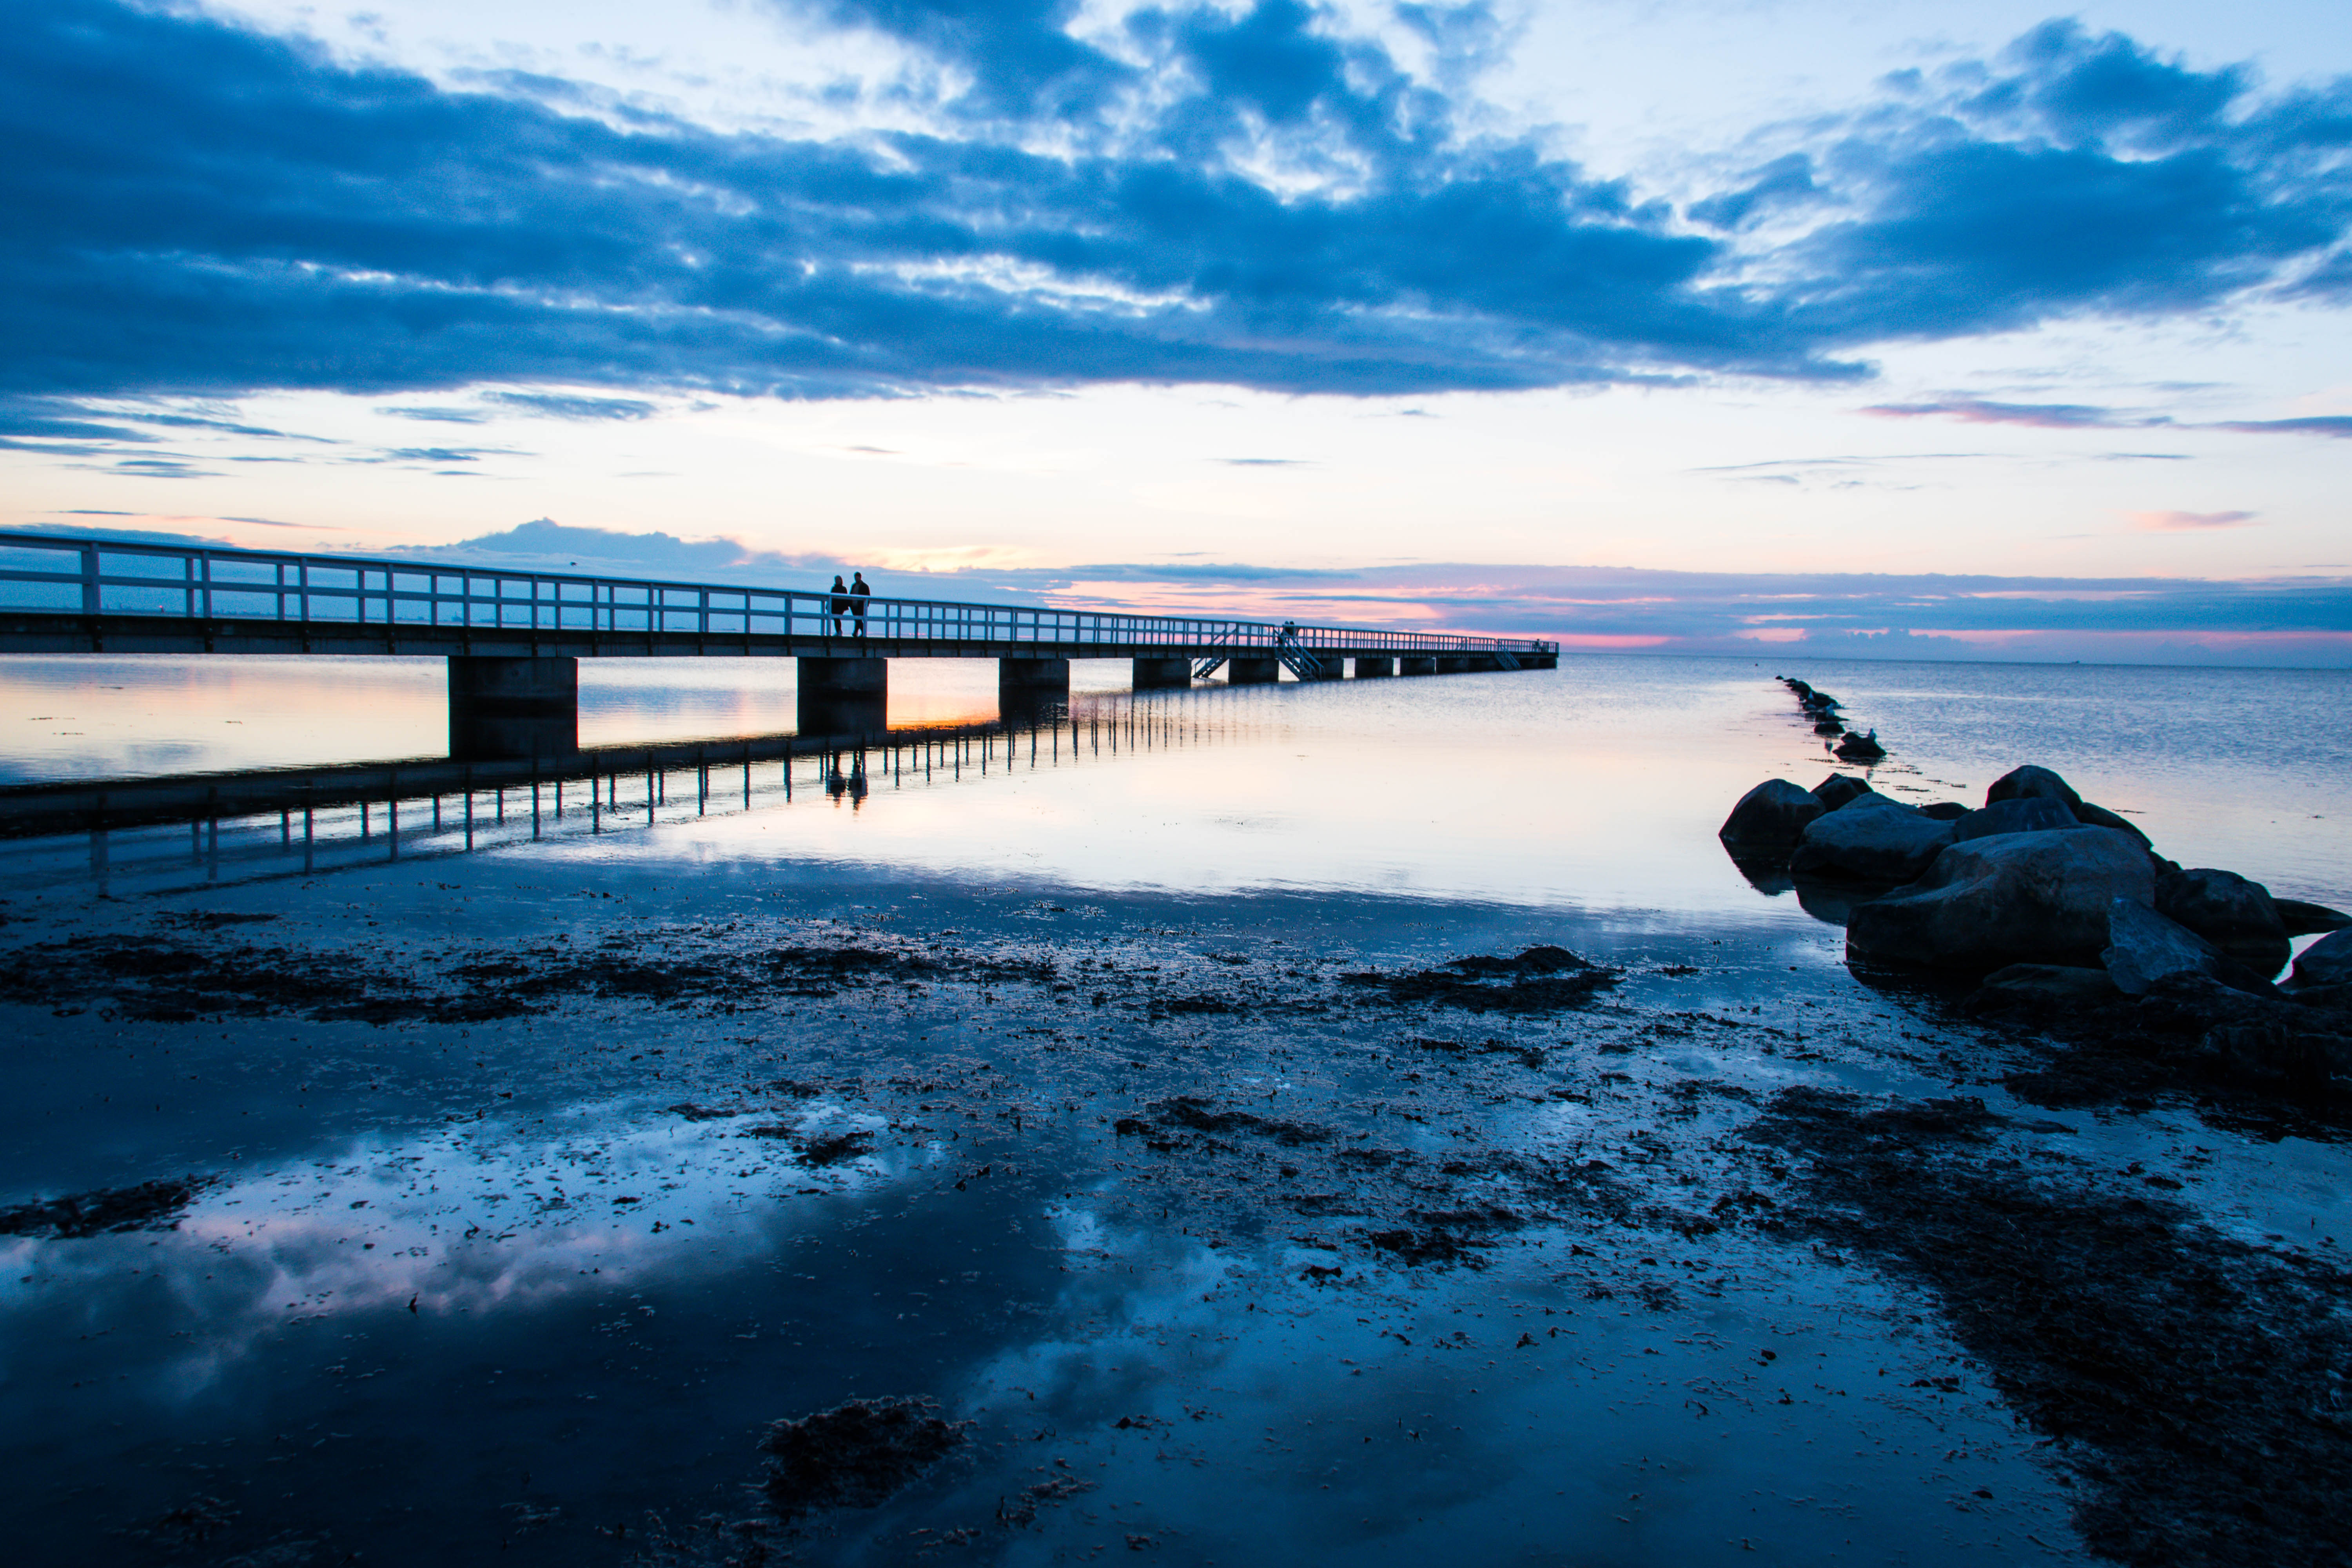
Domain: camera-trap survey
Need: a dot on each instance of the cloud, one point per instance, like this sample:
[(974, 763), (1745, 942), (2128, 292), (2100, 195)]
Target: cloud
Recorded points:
[(2337, 425), (439, 416), (558, 405), (2040, 415), (2188, 521), (1265, 462), (1251, 196), (2089, 416)]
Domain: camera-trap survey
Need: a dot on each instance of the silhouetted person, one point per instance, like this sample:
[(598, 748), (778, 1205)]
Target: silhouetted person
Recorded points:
[(840, 605), (858, 594), (1290, 631)]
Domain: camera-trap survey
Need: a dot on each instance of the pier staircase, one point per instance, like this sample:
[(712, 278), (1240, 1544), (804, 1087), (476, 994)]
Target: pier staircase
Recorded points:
[(1298, 659)]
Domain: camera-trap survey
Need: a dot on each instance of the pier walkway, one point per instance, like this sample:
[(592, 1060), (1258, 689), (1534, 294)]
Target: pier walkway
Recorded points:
[(513, 640)]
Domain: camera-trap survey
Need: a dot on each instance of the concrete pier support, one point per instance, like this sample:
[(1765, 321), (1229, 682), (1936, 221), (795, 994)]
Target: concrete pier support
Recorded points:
[(845, 696), (504, 708), (1253, 671), (1462, 663), (1030, 690), (1368, 668), (1416, 664), (1033, 678), (1162, 674), (1333, 666), (1538, 661)]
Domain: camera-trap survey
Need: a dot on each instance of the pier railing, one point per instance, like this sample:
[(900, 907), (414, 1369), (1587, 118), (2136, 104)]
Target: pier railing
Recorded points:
[(43, 574)]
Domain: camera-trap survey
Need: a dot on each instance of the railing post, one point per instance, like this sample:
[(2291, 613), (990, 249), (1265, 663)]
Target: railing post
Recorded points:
[(91, 597)]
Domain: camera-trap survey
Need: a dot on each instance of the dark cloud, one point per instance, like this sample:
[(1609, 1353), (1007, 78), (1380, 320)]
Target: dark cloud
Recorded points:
[(199, 209), (1784, 182), (2079, 173)]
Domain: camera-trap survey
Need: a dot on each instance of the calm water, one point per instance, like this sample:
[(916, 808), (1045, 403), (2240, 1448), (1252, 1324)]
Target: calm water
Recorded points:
[(1598, 784), (526, 1286)]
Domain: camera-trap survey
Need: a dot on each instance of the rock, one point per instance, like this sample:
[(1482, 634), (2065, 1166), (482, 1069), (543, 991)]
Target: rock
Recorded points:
[(2091, 816), (1870, 839), (2301, 918), (2030, 782), (2015, 898), (2338, 996), (2232, 913), (1838, 788), (2327, 961), (2045, 984), (1944, 811), (2250, 1039), (2143, 947), (1832, 903), (2020, 813), (1826, 725), (1861, 748), (1770, 816)]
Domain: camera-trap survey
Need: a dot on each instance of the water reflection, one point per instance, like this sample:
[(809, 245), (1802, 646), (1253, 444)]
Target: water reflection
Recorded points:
[(177, 831)]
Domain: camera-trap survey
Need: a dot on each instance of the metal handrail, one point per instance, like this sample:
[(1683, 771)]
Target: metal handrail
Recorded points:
[(338, 590)]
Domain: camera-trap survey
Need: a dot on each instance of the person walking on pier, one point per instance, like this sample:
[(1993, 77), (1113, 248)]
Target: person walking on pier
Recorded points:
[(840, 605), (858, 594)]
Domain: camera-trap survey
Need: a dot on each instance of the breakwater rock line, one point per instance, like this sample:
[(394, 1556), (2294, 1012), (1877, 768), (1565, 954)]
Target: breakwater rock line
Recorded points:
[(1823, 709), (2055, 904)]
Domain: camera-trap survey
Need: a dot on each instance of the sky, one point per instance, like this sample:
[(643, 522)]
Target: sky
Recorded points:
[(1935, 330)]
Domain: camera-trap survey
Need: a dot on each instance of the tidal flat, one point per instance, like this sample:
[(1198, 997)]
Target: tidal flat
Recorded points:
[(553, 1209)]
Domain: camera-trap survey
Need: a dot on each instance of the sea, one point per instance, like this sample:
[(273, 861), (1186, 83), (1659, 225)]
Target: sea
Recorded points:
[(1028, 1138)]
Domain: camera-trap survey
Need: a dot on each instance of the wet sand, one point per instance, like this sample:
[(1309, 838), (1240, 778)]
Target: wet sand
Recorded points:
[(445, 1213)]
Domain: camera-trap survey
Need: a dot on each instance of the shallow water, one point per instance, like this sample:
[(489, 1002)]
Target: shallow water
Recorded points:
[(527, 1284)]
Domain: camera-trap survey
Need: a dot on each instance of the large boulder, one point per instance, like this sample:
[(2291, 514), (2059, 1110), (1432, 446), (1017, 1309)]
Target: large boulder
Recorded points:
[(1838, 788), (2327, 961), (2015, 898), (2232, 913), (2031, 782), (1768, 818), (1944, 810), (2143, 947), (2091, 816), (2042, 986), (1870, 839), (2301, 918), (2020, 813)]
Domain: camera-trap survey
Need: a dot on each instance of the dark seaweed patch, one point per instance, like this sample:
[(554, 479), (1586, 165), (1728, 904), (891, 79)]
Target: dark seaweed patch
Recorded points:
[(150, 1205), (858, 1455), (1542, 979), (2197, 1380)]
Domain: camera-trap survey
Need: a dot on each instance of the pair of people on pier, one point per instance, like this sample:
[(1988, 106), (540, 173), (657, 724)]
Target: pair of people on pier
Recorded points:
[(850, 600)]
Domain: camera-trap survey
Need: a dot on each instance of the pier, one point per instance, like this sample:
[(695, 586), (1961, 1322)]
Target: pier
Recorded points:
[(514, 640)]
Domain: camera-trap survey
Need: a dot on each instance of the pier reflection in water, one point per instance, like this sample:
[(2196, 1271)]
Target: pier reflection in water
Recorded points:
[(156, 834)]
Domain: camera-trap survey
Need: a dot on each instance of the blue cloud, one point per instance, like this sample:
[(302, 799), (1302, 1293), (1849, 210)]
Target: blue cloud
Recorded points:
[(558, 405), (2092, 416), (197, 208)]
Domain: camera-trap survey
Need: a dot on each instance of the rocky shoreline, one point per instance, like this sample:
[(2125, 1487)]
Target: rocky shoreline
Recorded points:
[(2051, 905)]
